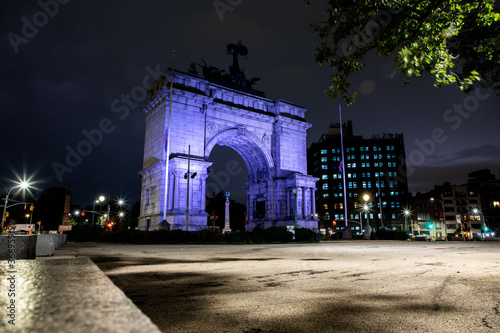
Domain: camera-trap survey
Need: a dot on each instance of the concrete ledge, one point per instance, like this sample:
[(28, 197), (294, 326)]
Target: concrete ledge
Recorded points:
[(17, 247), (45, 245), (67, 295)]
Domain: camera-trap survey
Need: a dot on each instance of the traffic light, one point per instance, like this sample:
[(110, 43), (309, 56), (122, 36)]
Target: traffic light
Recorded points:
[(334, 222), (82, 214), (31, 208), (6, 214)]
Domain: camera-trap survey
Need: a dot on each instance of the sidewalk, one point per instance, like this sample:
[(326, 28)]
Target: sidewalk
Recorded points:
[(65, 293)]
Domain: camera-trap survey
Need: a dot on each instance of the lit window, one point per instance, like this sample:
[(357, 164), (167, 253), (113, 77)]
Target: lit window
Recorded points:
[(324, 167), (325, 206), (496, 203), (324, 159), (324, 176), (323, 151), (325, 195), (324, 186)]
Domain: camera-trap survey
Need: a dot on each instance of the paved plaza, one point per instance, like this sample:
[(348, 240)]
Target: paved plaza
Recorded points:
[(343, 286)]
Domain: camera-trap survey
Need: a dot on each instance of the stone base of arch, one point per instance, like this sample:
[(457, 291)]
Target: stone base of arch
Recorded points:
[(310, 224)]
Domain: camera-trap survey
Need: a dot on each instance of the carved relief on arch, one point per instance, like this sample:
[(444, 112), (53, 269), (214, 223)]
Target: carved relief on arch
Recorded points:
[(266, 139), (211, 129)]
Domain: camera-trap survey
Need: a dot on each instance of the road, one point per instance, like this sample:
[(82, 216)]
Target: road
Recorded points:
[(337, 286)]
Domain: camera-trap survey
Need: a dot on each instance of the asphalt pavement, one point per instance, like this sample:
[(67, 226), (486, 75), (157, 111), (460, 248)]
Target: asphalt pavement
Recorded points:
[(335, 286)]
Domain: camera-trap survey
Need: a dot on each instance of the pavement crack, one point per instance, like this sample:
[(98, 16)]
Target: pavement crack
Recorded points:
[(497, 309), (486, 323)]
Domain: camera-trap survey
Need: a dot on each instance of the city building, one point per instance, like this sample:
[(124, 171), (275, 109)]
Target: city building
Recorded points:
[(471, 209), (376, 186)]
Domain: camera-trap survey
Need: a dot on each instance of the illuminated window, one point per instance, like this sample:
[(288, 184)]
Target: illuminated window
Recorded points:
[(324, 159), (323, 151), (325, 206), (324, 186), (324, 167), (324, 176), (496, 204)]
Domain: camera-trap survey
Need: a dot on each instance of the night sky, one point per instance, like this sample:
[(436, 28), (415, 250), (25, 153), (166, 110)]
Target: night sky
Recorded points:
[(59, 83)]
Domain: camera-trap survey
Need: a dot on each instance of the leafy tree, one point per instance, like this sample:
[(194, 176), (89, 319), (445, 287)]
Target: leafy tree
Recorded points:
[(49, 208), (456, 42)]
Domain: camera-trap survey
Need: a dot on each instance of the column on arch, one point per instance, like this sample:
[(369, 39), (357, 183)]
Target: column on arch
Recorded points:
[(300, 204), (313, 202), (178, 176)]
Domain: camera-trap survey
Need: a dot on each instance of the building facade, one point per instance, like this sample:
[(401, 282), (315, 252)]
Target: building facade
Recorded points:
[(376, 186)]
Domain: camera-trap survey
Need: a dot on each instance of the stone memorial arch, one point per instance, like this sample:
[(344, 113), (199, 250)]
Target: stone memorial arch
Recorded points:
[(269, 135)]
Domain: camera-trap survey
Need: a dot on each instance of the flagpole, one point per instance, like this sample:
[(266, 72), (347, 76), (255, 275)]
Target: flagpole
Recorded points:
[(168, 140), (343, 168)]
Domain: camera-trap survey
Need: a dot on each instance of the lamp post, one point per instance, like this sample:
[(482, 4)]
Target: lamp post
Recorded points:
[(23, 185), (366, 209), (477, 211), (407, 213), (98, 201), (444, 220), (295, 195)]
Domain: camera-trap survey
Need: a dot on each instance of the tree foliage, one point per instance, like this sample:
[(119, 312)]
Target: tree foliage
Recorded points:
[(456, 42)]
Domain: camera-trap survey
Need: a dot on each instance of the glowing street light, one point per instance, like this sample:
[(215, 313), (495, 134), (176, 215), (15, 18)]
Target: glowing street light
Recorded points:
[(98, 201), (407, 213), (295, 195), (366, 209), (477, 211), (23, 185)]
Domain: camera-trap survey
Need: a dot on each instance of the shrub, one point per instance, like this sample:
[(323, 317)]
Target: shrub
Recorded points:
[(305, 235), (391, 234)]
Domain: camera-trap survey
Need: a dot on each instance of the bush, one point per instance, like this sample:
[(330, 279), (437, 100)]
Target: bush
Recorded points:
[(304, 235), (391, 234), (277, 235), (205, 236)]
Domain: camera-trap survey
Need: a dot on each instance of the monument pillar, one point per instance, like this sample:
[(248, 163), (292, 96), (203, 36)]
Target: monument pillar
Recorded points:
[(227, 226), (65, 218)]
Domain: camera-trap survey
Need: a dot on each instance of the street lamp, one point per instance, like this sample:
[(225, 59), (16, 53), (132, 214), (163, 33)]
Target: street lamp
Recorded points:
[(407, 213), (477, 211), (295, 195), (366, 209), (23, 185), (444, 220), (98, 201)]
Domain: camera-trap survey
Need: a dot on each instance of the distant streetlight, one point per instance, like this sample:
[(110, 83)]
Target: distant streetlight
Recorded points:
[(98, 201), (23, 185), (295, 195), (366, 209), (477, 211), (407, 213), (444, 220)]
